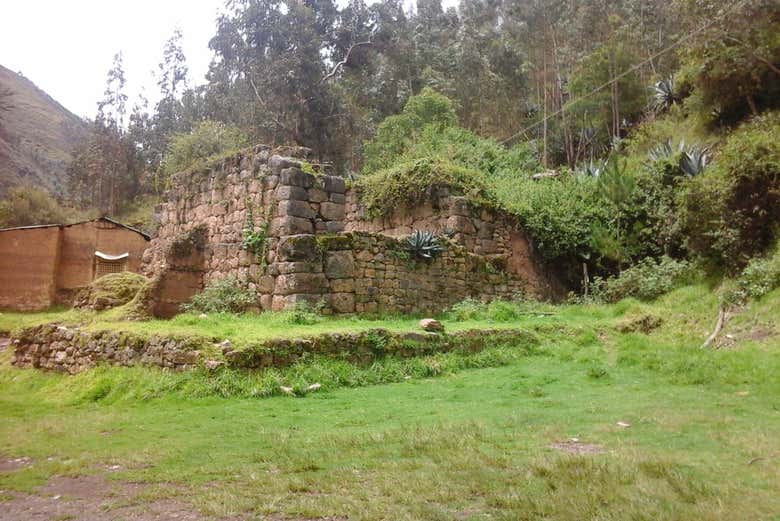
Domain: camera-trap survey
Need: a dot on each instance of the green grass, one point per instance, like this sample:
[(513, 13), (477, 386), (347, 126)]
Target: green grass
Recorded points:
[(471, 443), (243, 329)]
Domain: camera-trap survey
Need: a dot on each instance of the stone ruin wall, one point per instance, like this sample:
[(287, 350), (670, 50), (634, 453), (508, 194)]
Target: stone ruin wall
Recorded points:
[(323, 247)]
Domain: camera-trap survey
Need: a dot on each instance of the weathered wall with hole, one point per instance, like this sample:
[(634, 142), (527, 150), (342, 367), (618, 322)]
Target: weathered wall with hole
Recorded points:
[(41, 266), (321, 246), (71, 350)]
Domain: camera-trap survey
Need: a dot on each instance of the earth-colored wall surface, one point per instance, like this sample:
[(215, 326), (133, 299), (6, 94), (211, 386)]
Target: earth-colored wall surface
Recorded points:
[(79, 243), (321, 246), (28, 263), (47, 265)]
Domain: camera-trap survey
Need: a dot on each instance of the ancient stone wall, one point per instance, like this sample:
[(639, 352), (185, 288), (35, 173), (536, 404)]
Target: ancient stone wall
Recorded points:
[(321, 246), (70, 349)]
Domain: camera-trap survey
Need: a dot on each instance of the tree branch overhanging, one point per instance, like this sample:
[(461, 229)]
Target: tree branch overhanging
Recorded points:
[(343, 62)]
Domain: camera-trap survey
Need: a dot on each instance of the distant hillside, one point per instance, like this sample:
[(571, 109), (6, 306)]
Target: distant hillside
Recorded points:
[(36, 136)]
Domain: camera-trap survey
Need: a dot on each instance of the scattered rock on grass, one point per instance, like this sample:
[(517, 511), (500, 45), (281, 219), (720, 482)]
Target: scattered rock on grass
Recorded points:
[(574, 446), (430, 324)]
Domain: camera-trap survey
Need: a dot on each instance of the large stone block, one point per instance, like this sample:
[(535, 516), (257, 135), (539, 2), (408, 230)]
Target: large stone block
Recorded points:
[(334, 184), (460, 206), (284, 193), (295, 208), (339, 264), (460, 224), (296, 177), (277, 163), (342, 302), (332, 211), (297, 248), (290, 226), (317, 195), (308, 283)]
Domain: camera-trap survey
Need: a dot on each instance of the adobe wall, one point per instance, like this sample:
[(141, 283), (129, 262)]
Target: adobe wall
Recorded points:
[(28, 261), (79, 243), (322, 247)]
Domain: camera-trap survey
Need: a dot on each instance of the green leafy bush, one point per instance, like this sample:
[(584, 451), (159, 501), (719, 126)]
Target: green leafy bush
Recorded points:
[(425, 111), (411, 182), (27, 205), (303, 313), (208, 140), (760, 276), (646, 280), (227, 295), (732, 212)]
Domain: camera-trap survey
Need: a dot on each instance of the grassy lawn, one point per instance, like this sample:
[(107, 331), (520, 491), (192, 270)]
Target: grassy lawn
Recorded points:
[(474, 442)]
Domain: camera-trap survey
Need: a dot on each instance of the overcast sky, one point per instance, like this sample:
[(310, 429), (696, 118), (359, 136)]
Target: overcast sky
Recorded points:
[(66, 46)]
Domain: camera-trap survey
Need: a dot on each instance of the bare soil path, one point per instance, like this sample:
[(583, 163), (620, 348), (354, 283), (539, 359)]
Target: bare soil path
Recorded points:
[(92, 498)]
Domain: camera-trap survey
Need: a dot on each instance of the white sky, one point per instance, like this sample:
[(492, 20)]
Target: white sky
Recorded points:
[(66, 46)]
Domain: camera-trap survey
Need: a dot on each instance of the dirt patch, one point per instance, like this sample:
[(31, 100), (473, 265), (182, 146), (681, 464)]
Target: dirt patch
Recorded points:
[(9, 464), (93, 498), (641, 324), (577, 447)]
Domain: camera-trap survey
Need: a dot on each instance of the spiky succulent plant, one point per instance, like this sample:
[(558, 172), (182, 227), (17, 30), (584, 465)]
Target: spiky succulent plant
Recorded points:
[(424, 244), (663, 95), (593, 168), (693, 160), (662, 151)]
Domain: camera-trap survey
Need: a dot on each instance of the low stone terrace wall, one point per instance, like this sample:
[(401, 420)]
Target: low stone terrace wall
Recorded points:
[(66, 349)]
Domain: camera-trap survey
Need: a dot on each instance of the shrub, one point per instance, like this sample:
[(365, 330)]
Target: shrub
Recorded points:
[(760, 276), (467, 309), (413, 181), (27, 205), (208, 140), (731, 213), (227, 295), (427, 110), (303, 313), (646, 280)]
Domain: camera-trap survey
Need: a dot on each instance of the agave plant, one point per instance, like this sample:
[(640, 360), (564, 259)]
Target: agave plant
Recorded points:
[(662, 151), (424, 244), (693, 160), (663, 95), (593, 169)]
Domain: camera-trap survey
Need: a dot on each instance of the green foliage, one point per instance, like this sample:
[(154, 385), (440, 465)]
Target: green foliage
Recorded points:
[(303, 313), (760, 276), (646, 280), (27, 205), (425, 112), (226, 295), (411, 182), (732, 211), (208, 140), (732, 66), (254, 238), (424, 245)]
